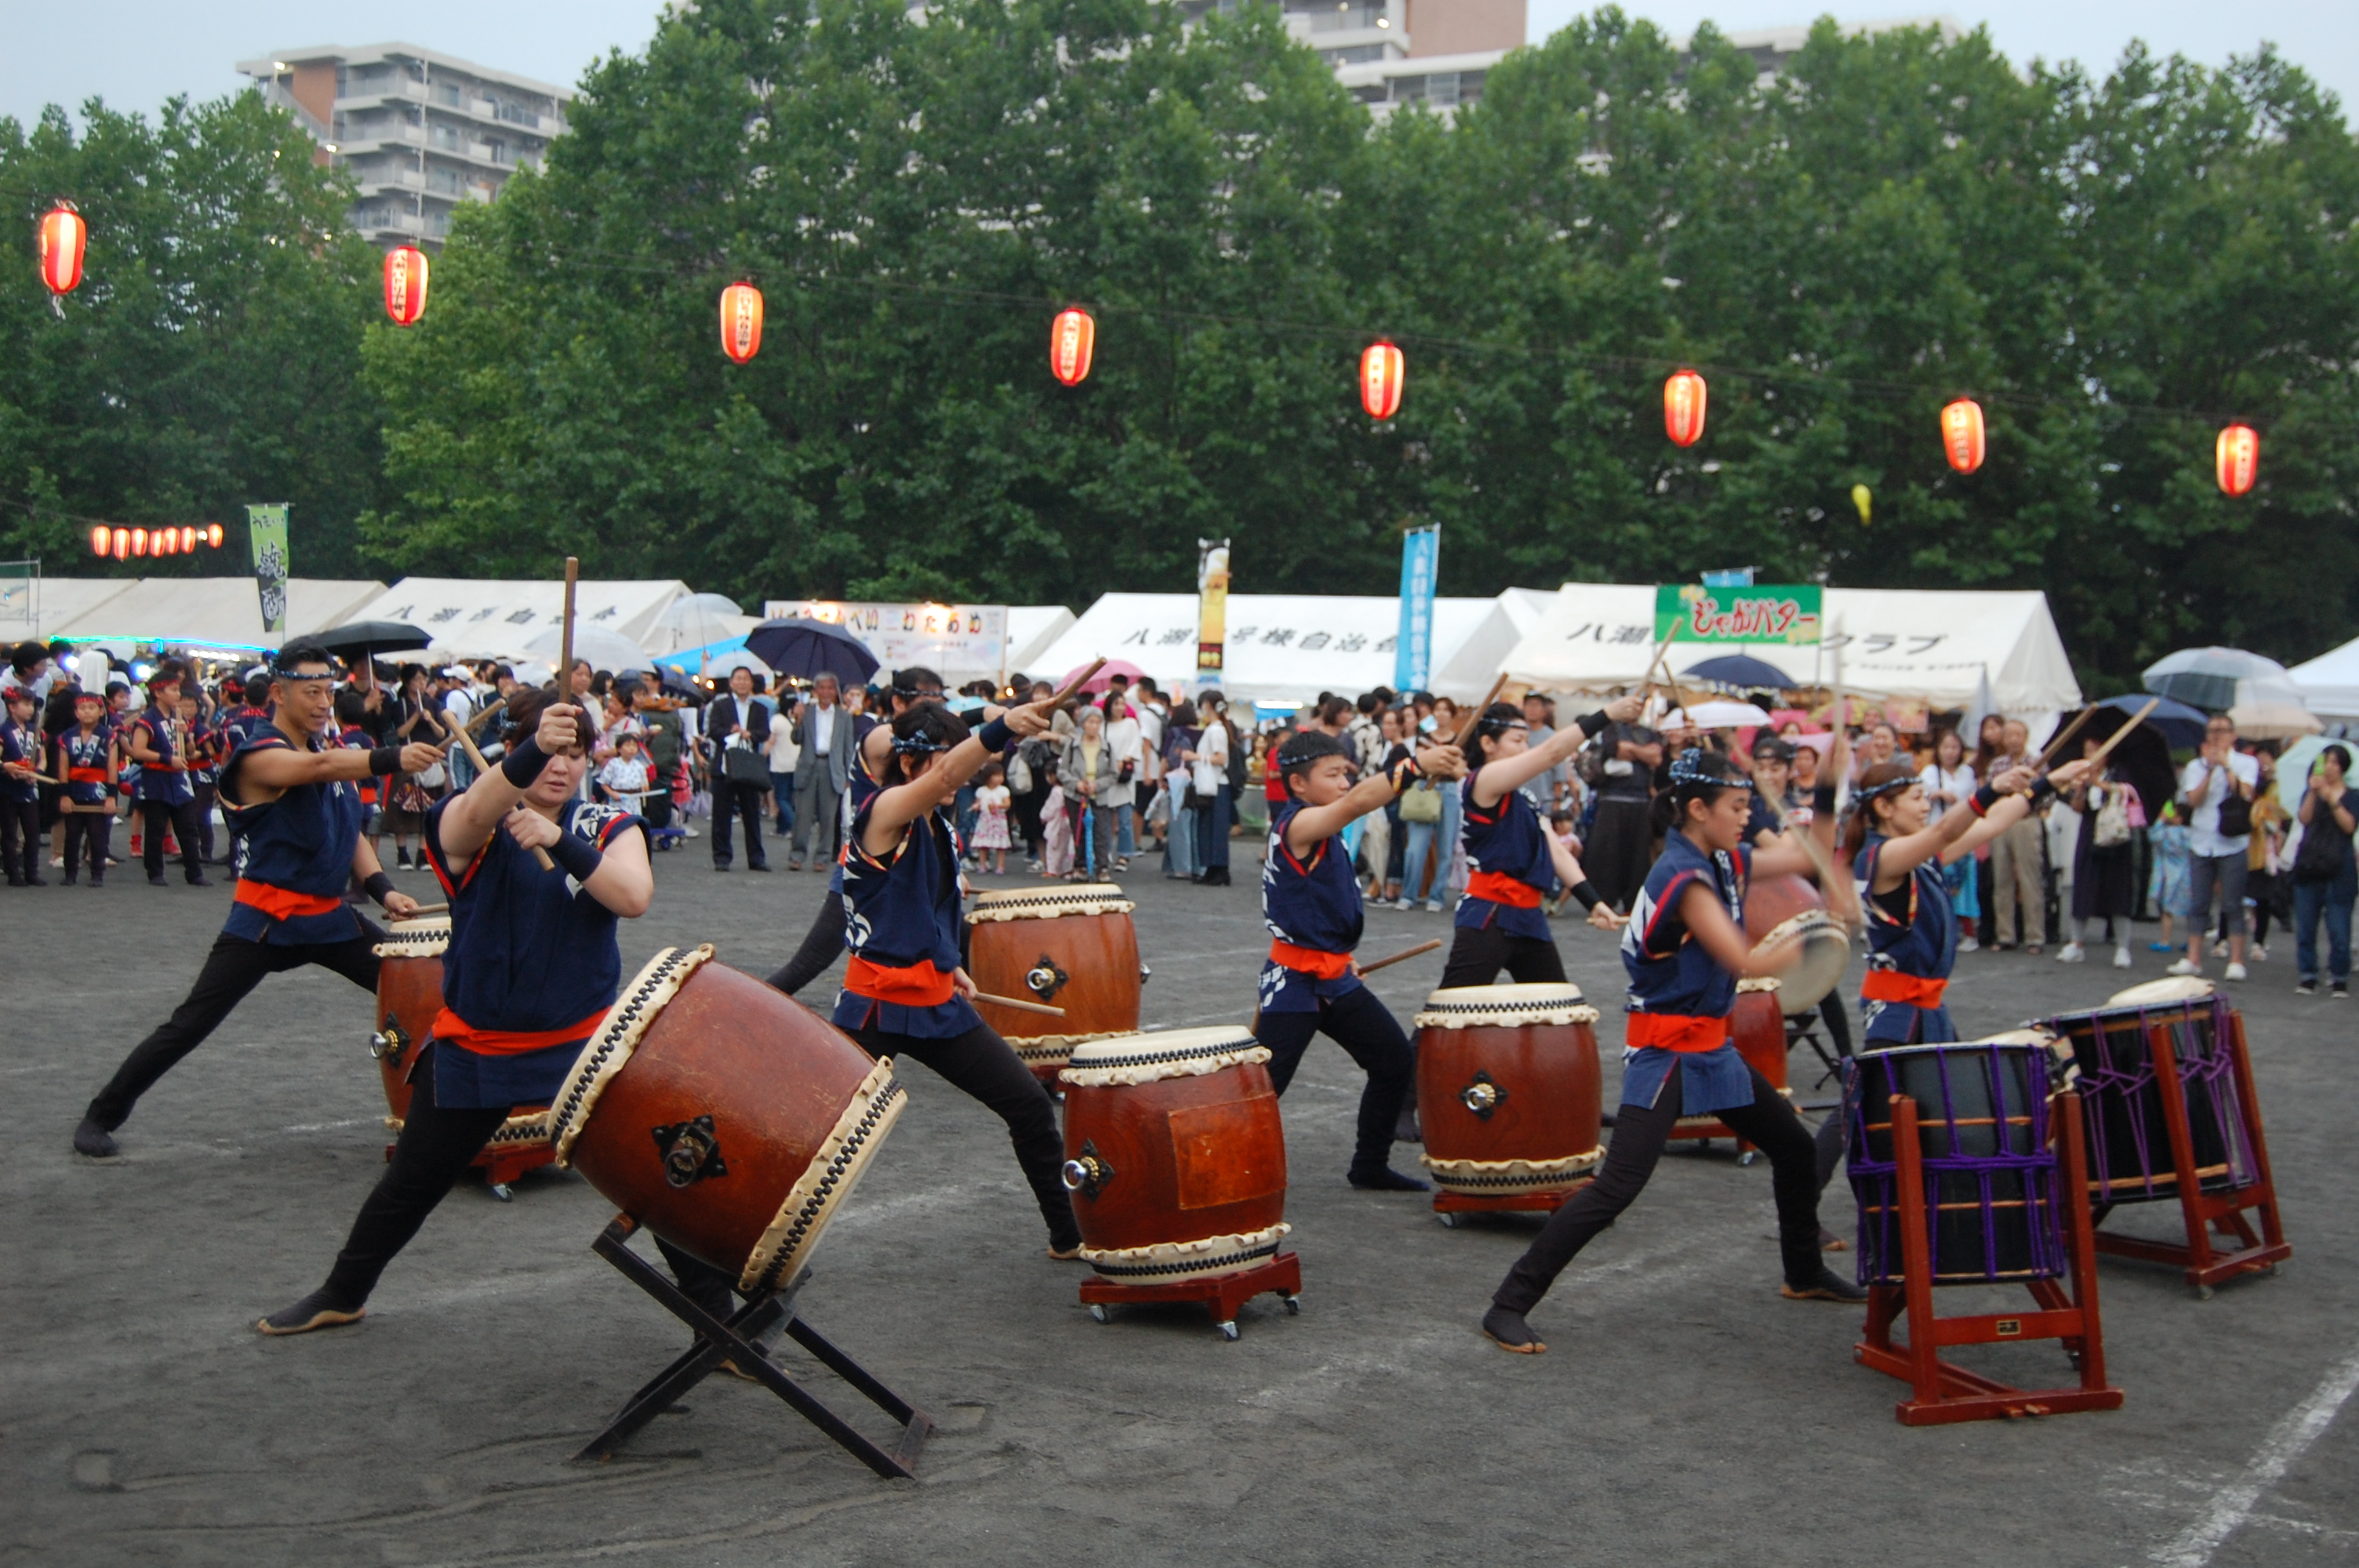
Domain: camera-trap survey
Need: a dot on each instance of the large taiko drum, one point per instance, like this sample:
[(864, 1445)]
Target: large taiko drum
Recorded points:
[(1507, 1089), (1175, 1154), (408, 996), (1787, 911), (1072, 947), (2130, 1133), (729, 1120), (1990, 1170)]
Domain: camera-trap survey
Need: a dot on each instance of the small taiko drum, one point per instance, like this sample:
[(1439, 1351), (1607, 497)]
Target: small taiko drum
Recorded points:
[(1787, 911), (1175, 1154), (2130, 1158), (1072, 947), (1509, 1091), (726, 1119), (408, 996), (1756, 1027)]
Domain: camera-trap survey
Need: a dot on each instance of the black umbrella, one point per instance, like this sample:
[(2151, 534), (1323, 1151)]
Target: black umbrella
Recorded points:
[(2143, 758), (370, 636), (2180, 724), (1743, 672), (806, 649)]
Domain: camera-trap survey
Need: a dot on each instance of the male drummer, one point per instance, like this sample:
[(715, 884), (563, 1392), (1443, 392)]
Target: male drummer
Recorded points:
[(1311, 901), (292, 796)]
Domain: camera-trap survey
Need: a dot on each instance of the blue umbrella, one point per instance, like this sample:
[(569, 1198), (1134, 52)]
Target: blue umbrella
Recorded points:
[(2180, 724), (805, 649), (1743, 672)]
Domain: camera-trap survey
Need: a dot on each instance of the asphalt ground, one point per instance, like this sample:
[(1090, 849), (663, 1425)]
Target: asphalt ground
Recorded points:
[(1684, 1414)]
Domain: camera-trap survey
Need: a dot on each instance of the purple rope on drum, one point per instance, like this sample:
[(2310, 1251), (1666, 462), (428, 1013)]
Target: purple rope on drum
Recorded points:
[(2129, 1139)]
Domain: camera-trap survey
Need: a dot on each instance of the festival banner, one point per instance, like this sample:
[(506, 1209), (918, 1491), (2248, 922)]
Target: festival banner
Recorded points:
[(957, 642), (1212, 604), (268, 525), (1690, 612), (1420, 569)]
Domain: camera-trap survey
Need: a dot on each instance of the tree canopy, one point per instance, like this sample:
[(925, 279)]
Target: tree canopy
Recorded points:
[(2113, 267)]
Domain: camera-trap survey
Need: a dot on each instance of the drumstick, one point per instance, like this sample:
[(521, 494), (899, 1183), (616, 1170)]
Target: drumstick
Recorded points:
[(461, 735), (1474, 714), (1076, 683), (565, 643), (2067, 732), (1428, 947), (497, 706), (1018, 1005), (431, 909)]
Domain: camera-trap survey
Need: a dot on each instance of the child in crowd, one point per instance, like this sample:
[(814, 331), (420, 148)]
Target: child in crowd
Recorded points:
[(991, 804), (1566, 826), (2167, 884), (624, 778)]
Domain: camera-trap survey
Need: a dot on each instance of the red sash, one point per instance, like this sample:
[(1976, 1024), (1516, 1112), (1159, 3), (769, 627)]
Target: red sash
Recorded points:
[(1314, 961), (86, 775), (1674, 1031), (1891, 985), (450, 1026), (1501, 888), (913, 985), (284, 904)]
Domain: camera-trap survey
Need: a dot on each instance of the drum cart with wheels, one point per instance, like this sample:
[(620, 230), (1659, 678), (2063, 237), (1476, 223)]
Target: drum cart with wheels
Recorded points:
[(1222, 1294)]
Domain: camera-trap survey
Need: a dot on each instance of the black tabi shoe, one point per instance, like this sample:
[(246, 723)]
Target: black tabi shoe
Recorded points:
[(37, 882), (1829, 1286), (1385, 1179), (1509, 1332), (94, 1140), (200, 881), (318, 1310), (157, 882)]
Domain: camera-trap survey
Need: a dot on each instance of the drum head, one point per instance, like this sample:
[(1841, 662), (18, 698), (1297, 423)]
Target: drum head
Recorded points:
[(1562, 993), (1505, 1006), (1047, 903), (427, 936), (2163, 994), (1129, 1059), (1756, 983), (1825, 954)]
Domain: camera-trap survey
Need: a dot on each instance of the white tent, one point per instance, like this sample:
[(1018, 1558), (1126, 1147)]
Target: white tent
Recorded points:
[(1937, 646), (212, 612), (497, 617), (1032, 630), (2329, 682), (33, 608), (1280, 647), (1467, 674)]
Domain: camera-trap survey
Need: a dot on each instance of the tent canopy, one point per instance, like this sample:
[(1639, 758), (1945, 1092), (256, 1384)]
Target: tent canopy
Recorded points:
[(2329, 683), (32, 609), (1934, 646), (497, 617), (1468, 671), (210, 612), (1032, 630), (1281, 647)]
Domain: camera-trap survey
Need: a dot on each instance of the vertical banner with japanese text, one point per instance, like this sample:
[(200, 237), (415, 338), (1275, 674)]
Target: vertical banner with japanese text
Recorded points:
[(1420, 569), (268, 525), (1212, 605)]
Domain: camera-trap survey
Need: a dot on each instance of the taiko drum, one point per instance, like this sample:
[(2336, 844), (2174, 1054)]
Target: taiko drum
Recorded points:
[(1174, 1154), (2121, 1100), (408, 996), (726, 1119), (1072, 947), (1507, 1088), (1787, 912)]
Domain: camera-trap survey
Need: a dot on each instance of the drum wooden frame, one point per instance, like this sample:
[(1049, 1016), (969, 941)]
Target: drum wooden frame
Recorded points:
[(1072, 946), (1510, 1095)]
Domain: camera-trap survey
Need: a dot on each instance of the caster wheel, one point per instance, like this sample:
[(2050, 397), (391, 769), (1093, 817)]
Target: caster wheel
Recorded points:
[(1449, 1221), (1099, 1314), (1748, 1157), (501, 1191), (1294, 1306), (1228, 1330), (2203, 1293)]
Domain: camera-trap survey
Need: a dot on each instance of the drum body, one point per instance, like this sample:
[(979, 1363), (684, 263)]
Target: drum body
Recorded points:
[(728, 1120), (1787, 911), (1072, 947), (1175, 1154), (1756, 1027), (408, 998), (1990, 1171), (1507, 1088), (2129, 1136)]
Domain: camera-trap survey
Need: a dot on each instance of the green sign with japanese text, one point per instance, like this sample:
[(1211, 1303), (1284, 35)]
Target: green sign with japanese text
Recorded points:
[(1689, 612)]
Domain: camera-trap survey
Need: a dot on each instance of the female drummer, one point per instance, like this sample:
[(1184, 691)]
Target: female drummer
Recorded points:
[(1311, 901), (1912, 934), (532, 967), (905, 991), (1684, 950), (1512, 856)]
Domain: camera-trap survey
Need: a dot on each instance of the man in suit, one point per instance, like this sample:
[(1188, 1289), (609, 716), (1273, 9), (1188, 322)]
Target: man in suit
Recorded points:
[(740, 726), (826, 744)]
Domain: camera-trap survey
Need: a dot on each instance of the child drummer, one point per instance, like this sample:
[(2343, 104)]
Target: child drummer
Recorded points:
[(1311, 901)]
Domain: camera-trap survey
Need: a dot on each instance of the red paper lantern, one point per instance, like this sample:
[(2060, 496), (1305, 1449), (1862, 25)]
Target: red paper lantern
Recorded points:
[(2239, 458), (1961, 434), (102, 538), (167, 541), (64, 235), (741, 321), (122, 544), (188, 540), (405, 285), (214, 535), (1683, 402), (1072, 338), (1381, 373), (139, 541)]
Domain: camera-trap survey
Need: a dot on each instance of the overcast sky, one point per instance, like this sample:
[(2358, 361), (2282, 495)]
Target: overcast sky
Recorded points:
[(136, 53)]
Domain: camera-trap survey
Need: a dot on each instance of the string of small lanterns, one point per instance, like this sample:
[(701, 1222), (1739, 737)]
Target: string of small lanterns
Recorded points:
[(1072, 345)]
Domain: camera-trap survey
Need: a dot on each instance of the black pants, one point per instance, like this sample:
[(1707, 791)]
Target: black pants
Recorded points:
[(742, 800), (206, 794), (1639, 1134), (1367, 1030), (1478, 953), (185, 819), (233, 969), (822, 946), (20, 839), (95, 828), (1835, 1132), (986, 1067), (1620, 851)]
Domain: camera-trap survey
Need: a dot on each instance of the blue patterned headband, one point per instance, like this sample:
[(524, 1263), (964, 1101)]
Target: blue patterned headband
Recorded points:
[(1687, 769), (918, 745), (1889, 786)]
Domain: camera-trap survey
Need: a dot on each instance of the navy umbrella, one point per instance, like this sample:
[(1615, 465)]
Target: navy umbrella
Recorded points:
[(805, 649), (2143, 757), (2181, 726), (1741, 672)]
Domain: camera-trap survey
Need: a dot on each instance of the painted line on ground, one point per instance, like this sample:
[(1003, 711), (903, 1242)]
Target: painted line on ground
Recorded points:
[(2287, 1442)]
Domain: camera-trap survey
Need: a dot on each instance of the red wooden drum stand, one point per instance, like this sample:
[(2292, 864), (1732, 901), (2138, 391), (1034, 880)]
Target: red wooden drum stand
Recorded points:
[(408, 995), (1942, 1392), (1757, 1029), (733, 1123), (1176, 1158), (1072, 947), (1508, 1077)]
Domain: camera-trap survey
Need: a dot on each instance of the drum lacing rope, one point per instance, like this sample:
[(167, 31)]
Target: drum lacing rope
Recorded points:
[(1103, 1262), (847, 1155), (1165, 1058), (615, 1029)]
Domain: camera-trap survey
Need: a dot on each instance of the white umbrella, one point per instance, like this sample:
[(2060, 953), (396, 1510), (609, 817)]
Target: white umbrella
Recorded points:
[(693, 619), (720, 665), (1726, 714), (2268, 719), (609, 651)]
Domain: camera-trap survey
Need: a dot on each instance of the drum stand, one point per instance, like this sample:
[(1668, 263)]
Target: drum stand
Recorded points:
[(1222, 1294), (734, 1341), (1946, 1393), (1447, 1202), (2204, 1265)]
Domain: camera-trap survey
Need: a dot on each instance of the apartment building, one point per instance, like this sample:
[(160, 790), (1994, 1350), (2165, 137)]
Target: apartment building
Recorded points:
[(420, 132)]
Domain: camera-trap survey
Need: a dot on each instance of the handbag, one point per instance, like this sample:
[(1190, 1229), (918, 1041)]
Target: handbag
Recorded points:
[(2235, 811), (745, 765), (2324, 853), (2113, 817), (1422, 802)]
